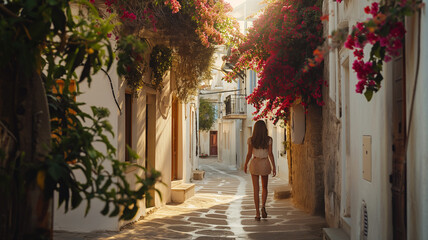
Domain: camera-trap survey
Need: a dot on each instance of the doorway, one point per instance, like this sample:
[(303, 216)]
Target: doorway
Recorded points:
[(150, 161), (398, 176), (213, 143)]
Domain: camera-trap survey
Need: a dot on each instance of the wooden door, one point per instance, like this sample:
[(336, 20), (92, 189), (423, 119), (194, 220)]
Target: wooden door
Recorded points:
[(398, 176), (213, 143)]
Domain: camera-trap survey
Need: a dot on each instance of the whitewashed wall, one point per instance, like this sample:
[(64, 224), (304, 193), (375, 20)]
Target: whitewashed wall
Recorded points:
[(227, 140), (417, 153), (361, 118), (98, 95), (205, 142)]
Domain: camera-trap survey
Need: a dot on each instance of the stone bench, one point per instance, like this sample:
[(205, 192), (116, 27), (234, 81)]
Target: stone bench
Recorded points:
[(334, 234)]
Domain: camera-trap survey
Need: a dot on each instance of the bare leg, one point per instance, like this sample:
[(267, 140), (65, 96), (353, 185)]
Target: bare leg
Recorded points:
[(255, 179), (264, 189)]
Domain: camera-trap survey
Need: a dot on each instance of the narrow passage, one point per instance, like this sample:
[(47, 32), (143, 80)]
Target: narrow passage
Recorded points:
[(222, 208)]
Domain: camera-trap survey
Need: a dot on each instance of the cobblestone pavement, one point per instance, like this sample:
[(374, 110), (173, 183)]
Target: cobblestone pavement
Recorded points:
[(222, 208)]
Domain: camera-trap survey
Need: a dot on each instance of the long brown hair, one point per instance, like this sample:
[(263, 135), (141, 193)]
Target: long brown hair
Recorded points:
[(260, 138)]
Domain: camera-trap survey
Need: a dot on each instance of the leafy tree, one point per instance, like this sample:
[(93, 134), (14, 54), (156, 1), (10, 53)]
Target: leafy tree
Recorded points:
[(45, 137), (206, 115)]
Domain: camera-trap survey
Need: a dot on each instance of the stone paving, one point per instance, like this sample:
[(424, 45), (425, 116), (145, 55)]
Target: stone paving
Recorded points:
[(222, 208)]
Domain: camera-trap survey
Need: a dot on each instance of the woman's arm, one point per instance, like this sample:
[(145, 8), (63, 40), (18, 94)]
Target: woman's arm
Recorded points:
[(271, 158), (249, 154)]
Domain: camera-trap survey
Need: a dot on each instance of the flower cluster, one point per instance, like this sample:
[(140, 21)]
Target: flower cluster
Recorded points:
[(385, 31), (214, 26), (174, 5), (127, 15), (277, 47)]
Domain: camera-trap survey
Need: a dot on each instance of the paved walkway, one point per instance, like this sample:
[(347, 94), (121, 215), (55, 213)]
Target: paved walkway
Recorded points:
[(222, 208)]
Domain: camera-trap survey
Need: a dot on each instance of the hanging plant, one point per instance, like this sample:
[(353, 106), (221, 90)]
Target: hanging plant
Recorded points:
[(131, 64), (192, 64), (160, 62), (193, 28), (383, 32)]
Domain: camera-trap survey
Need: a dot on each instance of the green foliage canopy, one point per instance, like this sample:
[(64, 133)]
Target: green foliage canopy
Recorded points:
[(207, 114)]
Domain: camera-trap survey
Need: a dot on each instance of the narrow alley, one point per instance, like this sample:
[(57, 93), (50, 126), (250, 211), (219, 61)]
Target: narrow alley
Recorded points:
[(222, 208)]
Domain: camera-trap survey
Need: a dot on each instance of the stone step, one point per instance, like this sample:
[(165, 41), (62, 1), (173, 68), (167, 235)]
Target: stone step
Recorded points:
[(282, 192), (176, 183), (334, 234), (182, 192)]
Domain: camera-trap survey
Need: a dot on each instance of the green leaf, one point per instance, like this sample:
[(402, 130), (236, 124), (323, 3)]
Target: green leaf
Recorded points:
[(115, 211), (106, 208), (132, 154), (59, 72), (70, 22), (58, 19), (30, 4), (63, 196), (86, 69), (76, 199), (128, 213), (106, 185), (52, 2), (88, 205), (368, 94)]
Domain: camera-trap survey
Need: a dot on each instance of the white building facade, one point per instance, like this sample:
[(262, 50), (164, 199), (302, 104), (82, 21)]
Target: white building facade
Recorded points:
[(157, 126), (378, 188)]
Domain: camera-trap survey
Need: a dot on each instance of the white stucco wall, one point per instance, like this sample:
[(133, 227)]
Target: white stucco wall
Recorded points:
[(374, 119), (417, 153), (189, 133), (279, 153), (205, 142), (364, 118), (163, 153), (98, 95), (227, 140)]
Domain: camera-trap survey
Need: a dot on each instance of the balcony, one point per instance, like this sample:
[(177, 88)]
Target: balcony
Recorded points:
[(236, 107)]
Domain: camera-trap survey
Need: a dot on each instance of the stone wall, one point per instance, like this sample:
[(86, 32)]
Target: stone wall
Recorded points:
[(308, 167), (331, 146), (332, 165)]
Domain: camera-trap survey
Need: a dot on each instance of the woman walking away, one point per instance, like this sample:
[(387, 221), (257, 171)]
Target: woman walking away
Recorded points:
[(260, 148)]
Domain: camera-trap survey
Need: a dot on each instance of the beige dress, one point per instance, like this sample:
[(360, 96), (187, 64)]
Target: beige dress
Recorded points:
[(259, 163)]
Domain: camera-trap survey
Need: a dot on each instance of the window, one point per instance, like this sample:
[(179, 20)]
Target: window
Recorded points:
[(253, 80)]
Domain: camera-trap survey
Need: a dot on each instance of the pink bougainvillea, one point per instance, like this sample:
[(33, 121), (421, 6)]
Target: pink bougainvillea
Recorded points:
[(209, 18), (385, 31), (277, 47)]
